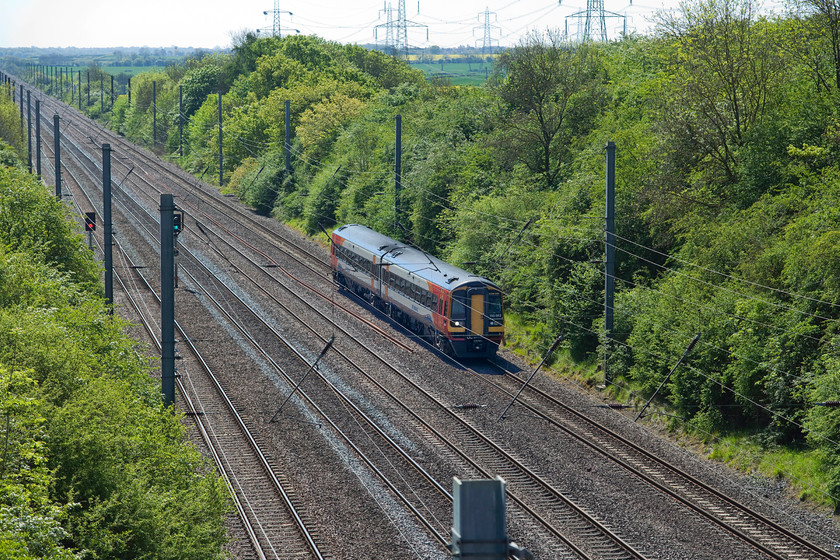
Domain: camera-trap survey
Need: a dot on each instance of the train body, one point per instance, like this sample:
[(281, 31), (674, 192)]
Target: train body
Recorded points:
[(459, 312)]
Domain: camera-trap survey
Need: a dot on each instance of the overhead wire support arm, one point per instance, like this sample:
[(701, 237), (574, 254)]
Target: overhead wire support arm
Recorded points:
[(302, 379), (515, 239), (667, 377), (545, 358)]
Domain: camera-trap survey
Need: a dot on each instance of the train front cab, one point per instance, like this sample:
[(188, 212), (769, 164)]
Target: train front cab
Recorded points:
[(476, 320)]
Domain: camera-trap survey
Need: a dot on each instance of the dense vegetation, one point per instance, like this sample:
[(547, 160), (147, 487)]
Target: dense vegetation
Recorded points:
[(728, 208), (91, 465)]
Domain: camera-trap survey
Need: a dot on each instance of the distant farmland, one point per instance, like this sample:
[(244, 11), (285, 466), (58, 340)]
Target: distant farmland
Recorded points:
[(458, 73)]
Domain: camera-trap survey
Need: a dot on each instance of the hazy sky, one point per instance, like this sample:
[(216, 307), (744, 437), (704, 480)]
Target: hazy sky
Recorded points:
[(209, 23)]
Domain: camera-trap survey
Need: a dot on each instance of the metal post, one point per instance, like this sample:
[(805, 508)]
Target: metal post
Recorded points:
[(609, 261), (287, 145), (101, 93), (29, 125), (167, 298), (106, 218), (154, 114), (88, 90), (129, 92), (112, 93), (21, 113), (57, 150), (38, 137), (397, 172), (80, 90), (221, 174), (180, 121)]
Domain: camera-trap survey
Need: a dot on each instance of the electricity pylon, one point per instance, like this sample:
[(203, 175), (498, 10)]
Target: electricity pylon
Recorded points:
[(487, 38), (397, 30), (389, 25), (592, 22), (276, 29)]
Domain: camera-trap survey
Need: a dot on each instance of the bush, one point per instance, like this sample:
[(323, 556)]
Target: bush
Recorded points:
[(92, 465)]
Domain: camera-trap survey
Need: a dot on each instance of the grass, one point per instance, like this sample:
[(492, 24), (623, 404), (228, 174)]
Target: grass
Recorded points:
[(131, 70), (804, 470), (458, 73)]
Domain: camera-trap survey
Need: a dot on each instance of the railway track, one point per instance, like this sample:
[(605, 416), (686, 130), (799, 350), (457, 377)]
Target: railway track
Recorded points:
[(770, 538), (605, 544), (267, 508), (132, 216), (758, 530)]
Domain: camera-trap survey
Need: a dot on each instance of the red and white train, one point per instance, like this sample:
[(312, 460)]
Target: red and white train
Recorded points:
[(459, 312)]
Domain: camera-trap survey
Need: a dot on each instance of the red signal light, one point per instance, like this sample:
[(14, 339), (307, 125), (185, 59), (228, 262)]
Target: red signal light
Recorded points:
[(90, 221)]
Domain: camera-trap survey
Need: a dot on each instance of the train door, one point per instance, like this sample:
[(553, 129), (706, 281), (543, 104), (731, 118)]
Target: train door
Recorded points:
[(476, 306), (381, 274)]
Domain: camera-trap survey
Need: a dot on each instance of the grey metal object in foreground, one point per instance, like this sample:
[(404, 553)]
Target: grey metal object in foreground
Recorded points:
[(479, 530)]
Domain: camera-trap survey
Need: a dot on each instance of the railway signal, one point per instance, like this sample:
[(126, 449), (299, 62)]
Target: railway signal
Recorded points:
[(177, 220), (90, 227)]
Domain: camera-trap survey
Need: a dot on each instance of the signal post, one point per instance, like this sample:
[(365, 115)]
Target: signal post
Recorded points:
[(167, 298)]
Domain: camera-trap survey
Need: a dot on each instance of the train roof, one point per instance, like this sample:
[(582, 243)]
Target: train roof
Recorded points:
[(415, 261)]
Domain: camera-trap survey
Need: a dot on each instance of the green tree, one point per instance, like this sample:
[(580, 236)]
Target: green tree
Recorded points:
[(197, 84), (724, 64), (552, 92), (822, 38), (10, 129)]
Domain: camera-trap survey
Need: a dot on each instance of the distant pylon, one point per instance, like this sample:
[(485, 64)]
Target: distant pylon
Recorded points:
[(389, 35), (592, 22), (595, 10), (396, 31), (402, 30), (276, 29), (487, 35), (389, 25)]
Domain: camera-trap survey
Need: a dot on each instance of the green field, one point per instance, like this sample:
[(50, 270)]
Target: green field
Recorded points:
[(130, 71), (458, 73)]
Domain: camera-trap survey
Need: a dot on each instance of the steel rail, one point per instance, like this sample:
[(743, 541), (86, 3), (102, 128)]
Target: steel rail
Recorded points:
[(208, 440)]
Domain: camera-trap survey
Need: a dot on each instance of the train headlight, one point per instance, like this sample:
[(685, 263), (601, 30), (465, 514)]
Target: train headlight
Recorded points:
[(458, 323)]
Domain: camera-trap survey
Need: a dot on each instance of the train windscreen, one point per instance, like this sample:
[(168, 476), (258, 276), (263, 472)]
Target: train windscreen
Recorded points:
[(494, 305), (459, 308)]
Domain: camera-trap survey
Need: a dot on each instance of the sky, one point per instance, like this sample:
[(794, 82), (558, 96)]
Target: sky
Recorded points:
[(209, 23)]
